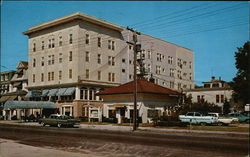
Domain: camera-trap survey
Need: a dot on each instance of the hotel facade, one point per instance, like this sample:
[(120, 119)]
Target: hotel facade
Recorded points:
[(74, 57)]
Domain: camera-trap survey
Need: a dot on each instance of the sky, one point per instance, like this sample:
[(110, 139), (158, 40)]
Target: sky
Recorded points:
[(212, 29)]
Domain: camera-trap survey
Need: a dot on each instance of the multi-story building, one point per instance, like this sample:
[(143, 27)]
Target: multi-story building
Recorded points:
[(5, 81), (214, 91), (73, 57)]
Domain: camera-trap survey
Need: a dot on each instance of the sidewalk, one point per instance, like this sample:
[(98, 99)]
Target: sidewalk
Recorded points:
[(113, 127)]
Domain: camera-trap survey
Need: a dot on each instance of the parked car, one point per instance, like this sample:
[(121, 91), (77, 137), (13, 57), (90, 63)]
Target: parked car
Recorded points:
[(240, 116), (198, 118), (223, 120), (59, 120)]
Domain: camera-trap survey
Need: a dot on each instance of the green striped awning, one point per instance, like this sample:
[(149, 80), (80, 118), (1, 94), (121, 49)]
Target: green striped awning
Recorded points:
[(28, 104), (69, 91), (61, 91), (45, 92), (53, 92)]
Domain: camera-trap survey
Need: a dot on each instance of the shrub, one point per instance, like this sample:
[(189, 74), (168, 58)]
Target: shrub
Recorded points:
[(109, 120)]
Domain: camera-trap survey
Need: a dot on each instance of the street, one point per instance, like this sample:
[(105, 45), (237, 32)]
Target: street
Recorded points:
[(93, 142)]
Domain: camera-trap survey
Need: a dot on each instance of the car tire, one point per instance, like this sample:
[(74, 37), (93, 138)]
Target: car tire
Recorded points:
[(59, 125), (203, 124), (220, 124), (43, 124)]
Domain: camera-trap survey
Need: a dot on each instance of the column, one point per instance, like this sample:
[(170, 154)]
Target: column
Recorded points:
[(10, 115), (118, 116), (77, 96), (4, 114), (70, 111), (60, 110)]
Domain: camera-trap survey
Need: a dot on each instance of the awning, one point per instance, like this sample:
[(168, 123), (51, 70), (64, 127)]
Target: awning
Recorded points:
[(4, 98), (28, 104), (61, 91), (16, 84), (53, 92), (118, 105), (69, 91), (45, 92)]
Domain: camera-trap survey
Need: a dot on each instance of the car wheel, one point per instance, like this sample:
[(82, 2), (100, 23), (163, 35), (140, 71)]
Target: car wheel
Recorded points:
[(59, 125), (203, 124), (220, 124), (43, 124)]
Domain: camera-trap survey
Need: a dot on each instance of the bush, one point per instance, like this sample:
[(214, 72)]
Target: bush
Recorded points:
[(172, 123), (84, 119), (109, 120)]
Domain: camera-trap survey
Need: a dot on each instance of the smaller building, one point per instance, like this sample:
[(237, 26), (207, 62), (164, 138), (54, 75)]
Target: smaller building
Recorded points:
[(152, 101), (215, 91)]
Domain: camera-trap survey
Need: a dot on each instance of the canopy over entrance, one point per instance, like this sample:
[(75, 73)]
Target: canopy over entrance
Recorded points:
[(29, 104)]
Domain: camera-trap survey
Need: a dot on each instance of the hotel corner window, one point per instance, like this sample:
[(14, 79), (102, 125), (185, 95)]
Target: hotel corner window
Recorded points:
[(42, 62), (34, 78), (42, 77), (99, 75), (99, 58), (60, 75), (217, 98), (42, 45), (48, 76), (70, 38), (60, 57), (87, 73), (60, 41), (53, 43), (70, 73), (109, 77), (113, 77), (34, 62), (49, 45), (70, 56), (52, 76), (109, 44), (99, 42), (87, 39), (52, 59), (87, 56), (113, 45), (34, 47)]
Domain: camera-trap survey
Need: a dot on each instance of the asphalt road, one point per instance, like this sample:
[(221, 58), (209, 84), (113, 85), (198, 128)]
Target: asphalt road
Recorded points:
[(127, 143)]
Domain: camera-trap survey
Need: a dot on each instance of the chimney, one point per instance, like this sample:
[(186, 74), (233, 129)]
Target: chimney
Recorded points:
[(212, 78), (220, 78)]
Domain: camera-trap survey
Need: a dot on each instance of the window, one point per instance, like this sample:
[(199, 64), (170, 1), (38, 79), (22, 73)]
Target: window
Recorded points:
[(86, 94), (48, 76), (87, 73), (81, 93), (190, 65), (171, 84), (130, 62), (87, 56), (53, 43), (49, 45), (113, 45), (123, 60), (215, 85), (163, 69), (123, 70), (42, 77), (52, 76), (34, 47), (190, 77), (42, 45), (149, 54), (130, 77), (217, 98), (109, 44), (42, 62), (70, 38), (158, 69), (90, 94), (109, 77), (49, 60), (109, 60), (70, 56), (222, 98), (170, 60), (52, 59), (198, 98), (70, 73), (99, 58), (34, 78), (99, 42), (34, 62), (171, 73), (87, 39), (99, 75), (130, 47), (60, 75), (113, 77), (113, 61), (60, 40), (60, 57)]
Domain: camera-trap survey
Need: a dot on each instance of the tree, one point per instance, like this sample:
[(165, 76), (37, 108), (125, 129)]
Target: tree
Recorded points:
[(241, 82)]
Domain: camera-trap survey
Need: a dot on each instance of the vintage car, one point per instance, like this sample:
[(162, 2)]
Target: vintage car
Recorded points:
[(198, 118), (223, 120), (240, 116), (59, 120)]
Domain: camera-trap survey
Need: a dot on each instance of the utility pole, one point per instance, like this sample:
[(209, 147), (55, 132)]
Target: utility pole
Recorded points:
[(136, 48)]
